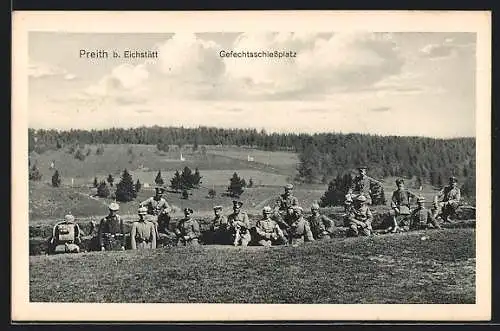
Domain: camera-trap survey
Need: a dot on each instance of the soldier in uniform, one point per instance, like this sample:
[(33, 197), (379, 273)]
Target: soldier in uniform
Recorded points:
[(239, 225), (143, 233), (111, 235), (360, 218), (360, 186), (220, 226), (400, 204), (188, 229), (65, 236), (286, 200), (422, 218), (321, 226), (300, 229), (268, 231), (448, 199), (158, 207)]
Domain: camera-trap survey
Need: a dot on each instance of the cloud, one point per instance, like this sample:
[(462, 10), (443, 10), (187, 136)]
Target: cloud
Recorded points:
[(449, 47), (43, 70)]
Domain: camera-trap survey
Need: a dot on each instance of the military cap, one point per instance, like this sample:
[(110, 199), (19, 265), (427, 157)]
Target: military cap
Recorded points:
[(267, 210), (217, 207), (142, 211), (420, 199), (113, 206), (298, 209), (400, 181), (188, 210), (453, 179), (314, 206), (361, 198), (237, 203), (289, 187), (69, 218), (362, 167)]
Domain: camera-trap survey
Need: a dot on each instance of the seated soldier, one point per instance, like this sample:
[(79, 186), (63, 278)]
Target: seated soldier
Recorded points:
[(220, 227), (360, 218), (267, 230), (321, 226), (188, 229), (400, 204), (448, 200), (239, 225), (65, 236), (421, 218), (143, 232), (300, 230), (111, 233)]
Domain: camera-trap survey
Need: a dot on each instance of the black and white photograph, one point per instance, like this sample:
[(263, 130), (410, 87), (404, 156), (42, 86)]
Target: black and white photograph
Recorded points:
[(217, 160)]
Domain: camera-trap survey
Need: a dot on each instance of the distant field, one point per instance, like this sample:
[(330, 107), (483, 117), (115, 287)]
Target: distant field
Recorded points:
[(400, 268)]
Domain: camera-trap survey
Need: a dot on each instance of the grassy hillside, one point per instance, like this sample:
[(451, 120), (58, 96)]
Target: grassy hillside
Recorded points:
[(401, 268)]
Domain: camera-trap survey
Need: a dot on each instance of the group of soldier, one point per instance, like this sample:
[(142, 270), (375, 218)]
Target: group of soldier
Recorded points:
[(285, 224)]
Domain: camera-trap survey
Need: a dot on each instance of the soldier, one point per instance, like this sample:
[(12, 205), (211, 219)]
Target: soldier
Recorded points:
[(220, 226), (188, 229), (400, 204), (300, 230), (143, 233), (360, 218), (285, 201), (448, 199), (321, 226), (158, 207), (65, 236), (422, 218), (360, 186), (111, 234), (267, 230), (239, 225)]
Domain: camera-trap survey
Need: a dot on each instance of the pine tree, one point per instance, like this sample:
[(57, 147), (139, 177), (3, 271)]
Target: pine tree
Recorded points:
[(212, 193), (196, 179), (138, 186), (96, 182), (186, 179), (110, 180), (185, 194), (159, 179), (175, 182), (103, 190), (377, 194), (250, 183), (125, 190), (56, 180), (334, 195), (79, 155), (235, 189)]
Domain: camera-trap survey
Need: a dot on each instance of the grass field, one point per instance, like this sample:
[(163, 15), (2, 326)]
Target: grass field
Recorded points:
[(399, 268)]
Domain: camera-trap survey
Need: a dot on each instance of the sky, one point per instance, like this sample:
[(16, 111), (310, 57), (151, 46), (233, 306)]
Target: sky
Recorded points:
[(410, 84)]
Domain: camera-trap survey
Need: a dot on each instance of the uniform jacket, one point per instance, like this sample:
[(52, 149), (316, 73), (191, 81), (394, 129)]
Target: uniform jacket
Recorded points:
[(70, 236), (111, 225), (143, 231), (401, 198), (320, 223), (220, 222), (361, 185), (188, 227), (241, 219), (284, 202), (266, 227), (156, 207), (450, 194), (362, 214), (301, 229)]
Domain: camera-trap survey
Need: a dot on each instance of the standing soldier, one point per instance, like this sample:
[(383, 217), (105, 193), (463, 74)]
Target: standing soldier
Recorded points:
[(111, 234), (400, 204), (321, 226), (422, 218), (360, 218), (143, 234), (65, 236), (300, 229), (158, 207), (267, 230), (360, 186), (188, 229), (286, 200), (448, 199), (220, 226), (239, 224)]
